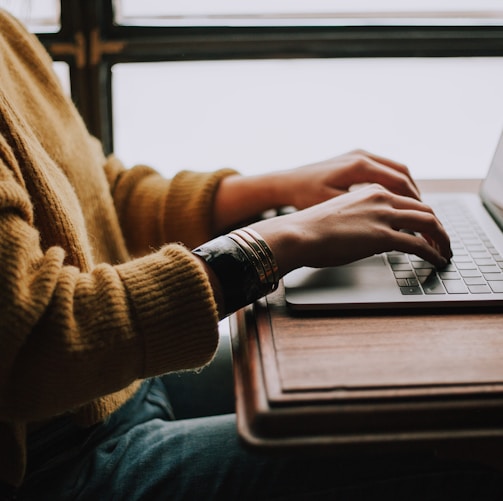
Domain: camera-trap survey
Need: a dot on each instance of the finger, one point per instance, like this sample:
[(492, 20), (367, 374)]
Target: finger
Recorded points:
[(428, 226), (391, 163), (412, 244), (371, 171), (416, 216)]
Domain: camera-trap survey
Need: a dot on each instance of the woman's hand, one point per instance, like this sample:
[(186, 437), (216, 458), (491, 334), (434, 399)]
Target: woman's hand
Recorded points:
[(355, 225), (242, 198), (315, 183)]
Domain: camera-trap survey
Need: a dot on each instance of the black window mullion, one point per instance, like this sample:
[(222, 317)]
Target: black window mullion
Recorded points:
[(191, 43), (107, 44)]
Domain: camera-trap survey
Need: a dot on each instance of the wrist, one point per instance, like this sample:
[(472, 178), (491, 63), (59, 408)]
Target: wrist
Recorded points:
[(286, 241), (241, 267), (245, 198)]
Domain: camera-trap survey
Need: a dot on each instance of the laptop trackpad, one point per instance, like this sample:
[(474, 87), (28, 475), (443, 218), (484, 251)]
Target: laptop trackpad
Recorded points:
[(366, 279)]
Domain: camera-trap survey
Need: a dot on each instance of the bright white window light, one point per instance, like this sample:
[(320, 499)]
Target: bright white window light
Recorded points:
[(40, 16), (440, 116), (308, 12)]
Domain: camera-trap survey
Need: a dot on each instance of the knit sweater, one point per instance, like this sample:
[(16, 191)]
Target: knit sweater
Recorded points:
[(95, 295)]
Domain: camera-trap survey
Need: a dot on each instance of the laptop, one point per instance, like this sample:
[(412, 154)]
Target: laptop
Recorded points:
[(395, 280)]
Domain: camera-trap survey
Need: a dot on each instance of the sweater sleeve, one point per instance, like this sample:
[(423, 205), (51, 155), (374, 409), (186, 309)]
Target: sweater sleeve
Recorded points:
[(153, 210), (69, 336)]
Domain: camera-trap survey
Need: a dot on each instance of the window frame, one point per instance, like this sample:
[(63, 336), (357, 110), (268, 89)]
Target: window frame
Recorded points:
[(90, 42)]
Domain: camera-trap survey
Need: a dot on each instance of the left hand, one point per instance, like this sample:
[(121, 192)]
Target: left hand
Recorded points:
[(241, 198), (315, 183)]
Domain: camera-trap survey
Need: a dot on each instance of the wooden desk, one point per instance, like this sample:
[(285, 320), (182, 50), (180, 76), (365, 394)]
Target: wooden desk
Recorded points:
[(367, 381)]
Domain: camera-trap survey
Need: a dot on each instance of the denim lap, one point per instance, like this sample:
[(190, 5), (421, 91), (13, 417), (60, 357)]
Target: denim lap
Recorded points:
[(141, 453)]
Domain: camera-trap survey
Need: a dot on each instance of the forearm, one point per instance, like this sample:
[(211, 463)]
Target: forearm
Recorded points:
[(153, 210), (241, 199)]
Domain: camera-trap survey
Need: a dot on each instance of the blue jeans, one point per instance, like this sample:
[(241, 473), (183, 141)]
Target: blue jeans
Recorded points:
[(142, 453)]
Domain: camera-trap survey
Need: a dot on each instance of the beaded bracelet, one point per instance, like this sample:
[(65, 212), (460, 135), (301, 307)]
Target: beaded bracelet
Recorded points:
[(244, 265)]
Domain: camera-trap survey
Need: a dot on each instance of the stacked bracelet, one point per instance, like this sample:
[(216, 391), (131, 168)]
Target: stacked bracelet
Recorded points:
[(244, 265), (260, 254)]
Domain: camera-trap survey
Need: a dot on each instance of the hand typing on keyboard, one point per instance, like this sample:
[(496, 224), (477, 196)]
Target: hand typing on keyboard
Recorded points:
[(356, 225), (475, 268)]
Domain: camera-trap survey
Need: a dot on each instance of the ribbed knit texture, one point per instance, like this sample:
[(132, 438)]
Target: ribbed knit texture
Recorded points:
[(81, 320)]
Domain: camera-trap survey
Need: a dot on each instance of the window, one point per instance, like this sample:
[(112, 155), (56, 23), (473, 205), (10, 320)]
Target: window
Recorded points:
[(41, 16), (442, 117), (308, 12), (63, 72), (267, 84)]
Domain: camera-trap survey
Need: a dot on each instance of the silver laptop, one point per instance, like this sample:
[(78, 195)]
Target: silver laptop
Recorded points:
[(395, 280)]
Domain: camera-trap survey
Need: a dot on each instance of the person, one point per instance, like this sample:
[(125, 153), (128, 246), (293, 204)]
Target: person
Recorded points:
[(111, 277)]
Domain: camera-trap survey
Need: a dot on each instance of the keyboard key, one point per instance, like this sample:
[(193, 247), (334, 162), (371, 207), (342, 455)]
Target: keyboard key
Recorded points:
[(459, 250), (470, 273), (449, 267), (413, 257), (489, 269), (401, 267), (462, 258), (419, 265), (397, 258), (455, 287), (448, 275), (496, 286), (410, 291), (474, 281), (424, 272), (404, 274), (433, 285), (407, 282), (485, 262), (479, 289), (483, 254), (466, 265), (493, 276), (476, 248)]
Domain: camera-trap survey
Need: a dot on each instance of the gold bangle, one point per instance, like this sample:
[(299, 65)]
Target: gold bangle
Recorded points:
[(252, 256), (267, 250), (258, 250)]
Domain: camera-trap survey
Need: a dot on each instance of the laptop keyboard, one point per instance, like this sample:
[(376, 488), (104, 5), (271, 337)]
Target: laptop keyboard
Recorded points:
[(476, 266)]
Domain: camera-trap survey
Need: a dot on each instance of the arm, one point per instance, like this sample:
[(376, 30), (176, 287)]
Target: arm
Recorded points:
[(347, 228), (72, 330), (153, 210), (242, 198)]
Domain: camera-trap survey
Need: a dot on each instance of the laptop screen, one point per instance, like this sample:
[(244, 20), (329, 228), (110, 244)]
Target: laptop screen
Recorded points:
[(491, 190)]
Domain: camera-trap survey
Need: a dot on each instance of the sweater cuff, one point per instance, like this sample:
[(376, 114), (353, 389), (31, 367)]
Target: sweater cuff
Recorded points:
[(173, 308)]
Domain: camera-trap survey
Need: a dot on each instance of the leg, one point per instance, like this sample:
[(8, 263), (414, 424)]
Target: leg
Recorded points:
[(208, 392), (135, 457)]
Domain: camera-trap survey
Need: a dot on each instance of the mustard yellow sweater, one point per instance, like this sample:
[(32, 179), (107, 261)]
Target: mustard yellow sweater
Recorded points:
[(81, 320)]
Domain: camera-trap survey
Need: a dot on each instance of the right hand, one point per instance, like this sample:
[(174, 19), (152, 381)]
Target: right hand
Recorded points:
[(353, 226)]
